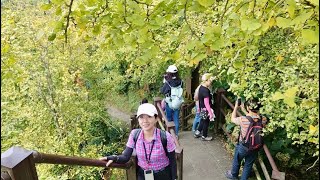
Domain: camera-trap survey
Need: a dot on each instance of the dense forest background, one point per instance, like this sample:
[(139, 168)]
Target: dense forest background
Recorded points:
[(62, 61)]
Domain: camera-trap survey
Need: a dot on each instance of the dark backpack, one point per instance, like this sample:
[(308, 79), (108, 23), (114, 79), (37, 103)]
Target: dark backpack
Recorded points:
[(162, 135), (253, 139)]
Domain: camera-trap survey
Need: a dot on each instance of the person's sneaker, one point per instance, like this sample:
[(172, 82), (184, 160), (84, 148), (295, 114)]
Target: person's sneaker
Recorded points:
[(208, 138), (196, 134), (229, 175)]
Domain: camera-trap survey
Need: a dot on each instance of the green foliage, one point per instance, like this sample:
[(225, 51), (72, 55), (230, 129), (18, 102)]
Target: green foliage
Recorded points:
[(265, 49)]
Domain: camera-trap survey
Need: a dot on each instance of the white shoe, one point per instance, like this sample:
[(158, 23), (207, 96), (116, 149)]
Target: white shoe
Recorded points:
[(196, 134), (208, 138)]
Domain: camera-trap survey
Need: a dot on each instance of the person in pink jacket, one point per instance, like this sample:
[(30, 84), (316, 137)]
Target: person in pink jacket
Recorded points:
[(205, 107)]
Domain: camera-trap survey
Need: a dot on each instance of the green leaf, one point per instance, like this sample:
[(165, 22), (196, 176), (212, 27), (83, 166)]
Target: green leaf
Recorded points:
[(309, 36), (217, 44), (289, 96), (97, 29), (283, 22), (58, 11), (306, 103), (276, 96), (291, 92), (250, 24), (238, 64), (57, 2), (314, 2), (291, 7), (46, 7), (91, 3), (301, 18), (137, 20), (206, 3), (231, 70), (5, 49), (52, 37)]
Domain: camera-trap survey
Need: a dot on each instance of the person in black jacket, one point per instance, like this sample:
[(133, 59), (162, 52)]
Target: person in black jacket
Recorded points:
[(205, 107), (172, 79)]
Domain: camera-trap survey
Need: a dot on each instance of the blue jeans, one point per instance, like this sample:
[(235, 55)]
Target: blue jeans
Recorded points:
[(173, 115), (241, 153), (196, 120)]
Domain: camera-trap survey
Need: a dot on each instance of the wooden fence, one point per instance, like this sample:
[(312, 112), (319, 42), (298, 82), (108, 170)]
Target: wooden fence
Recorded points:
[(18, 163), (223, 102)]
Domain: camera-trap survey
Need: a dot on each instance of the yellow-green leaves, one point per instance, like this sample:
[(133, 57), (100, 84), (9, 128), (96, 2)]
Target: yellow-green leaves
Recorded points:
[(52, 37), (288, 96), (283, 22), (277, 96), (238, 64), (46, 7), (310, 36), (206, 3), (307, 103), (250, 24), (314, 2), (291, 8), (97, 29), (5, 48)]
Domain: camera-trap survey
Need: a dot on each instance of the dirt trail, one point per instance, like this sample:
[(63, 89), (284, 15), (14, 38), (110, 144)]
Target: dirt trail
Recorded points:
[(118, 114)]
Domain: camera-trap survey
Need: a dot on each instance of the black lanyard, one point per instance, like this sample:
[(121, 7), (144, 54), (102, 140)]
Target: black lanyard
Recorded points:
[(145, 151)]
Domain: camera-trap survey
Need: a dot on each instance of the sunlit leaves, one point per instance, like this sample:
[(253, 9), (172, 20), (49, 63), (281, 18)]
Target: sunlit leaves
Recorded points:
[(206, 3), (310, 36), (314, 2), (46, 7), (288, 96), (283, 22), (250, 24), (97, 29)]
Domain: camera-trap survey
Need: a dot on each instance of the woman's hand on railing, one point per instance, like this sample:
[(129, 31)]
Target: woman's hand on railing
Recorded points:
[(106, 159)]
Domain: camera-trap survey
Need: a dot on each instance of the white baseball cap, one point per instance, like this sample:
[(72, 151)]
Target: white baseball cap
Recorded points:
[(148, 109), (172, 69)]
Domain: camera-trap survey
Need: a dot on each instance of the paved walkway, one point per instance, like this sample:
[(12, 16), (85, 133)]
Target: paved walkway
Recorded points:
[(203, 160)]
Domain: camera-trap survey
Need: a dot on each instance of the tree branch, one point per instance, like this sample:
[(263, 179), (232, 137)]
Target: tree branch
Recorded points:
[(224, 12), (254, 5), (138, 2), (68, 19), (99, 13), (125, 13), (313, 164)]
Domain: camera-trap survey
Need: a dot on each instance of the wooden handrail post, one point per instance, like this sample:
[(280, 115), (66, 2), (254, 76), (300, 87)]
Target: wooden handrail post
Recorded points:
[(183, 117), (133, 122), (157, 100), (219, 104), (179, 157), (19, 164), (132, 171)]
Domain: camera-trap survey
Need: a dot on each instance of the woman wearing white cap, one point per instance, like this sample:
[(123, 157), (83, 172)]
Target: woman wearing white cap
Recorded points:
[(154, 159), (171, 80), (205, 107)]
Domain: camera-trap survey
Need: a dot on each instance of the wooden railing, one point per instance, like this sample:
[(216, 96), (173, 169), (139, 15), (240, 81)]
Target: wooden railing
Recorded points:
[(186, 113), (18, 163), (221, 102)]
